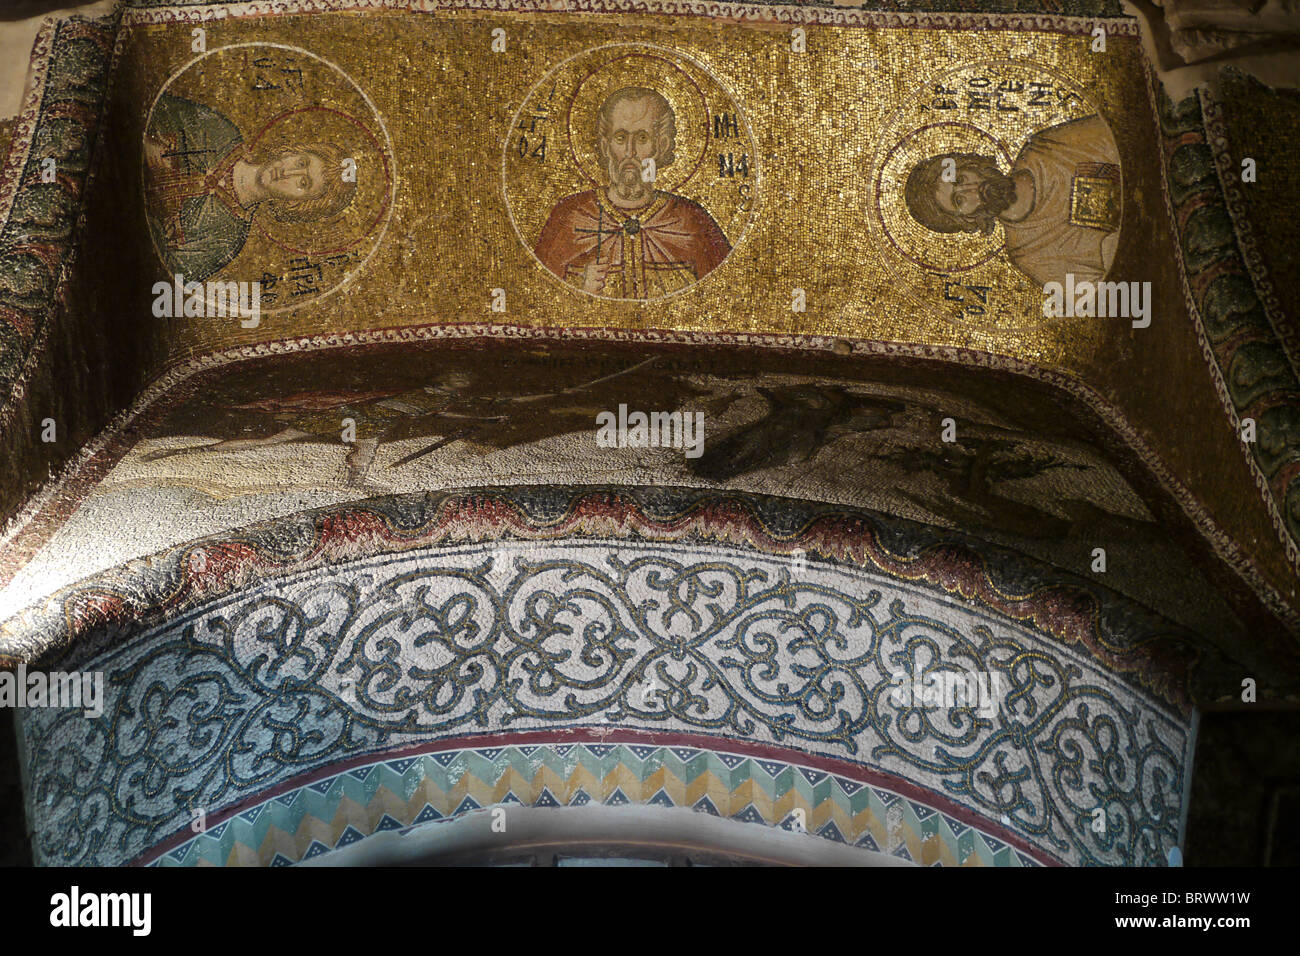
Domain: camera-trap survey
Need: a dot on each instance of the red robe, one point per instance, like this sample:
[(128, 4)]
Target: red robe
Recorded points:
[(663, 247)]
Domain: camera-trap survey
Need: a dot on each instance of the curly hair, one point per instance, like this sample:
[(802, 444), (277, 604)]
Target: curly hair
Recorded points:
[(665, 125), (338, 194), (918, 194)]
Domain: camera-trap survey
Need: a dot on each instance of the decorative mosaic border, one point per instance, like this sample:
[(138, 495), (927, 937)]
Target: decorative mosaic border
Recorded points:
[(61, 116), (1237, 320), (1216, 136), (1122, 636), (435, 785), (25, 123), (296, 672), (1080, 17), (1281, 400)]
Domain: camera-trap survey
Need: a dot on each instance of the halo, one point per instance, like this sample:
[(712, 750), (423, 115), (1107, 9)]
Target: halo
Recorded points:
[(655, 72), (296, 129), (936, 252)]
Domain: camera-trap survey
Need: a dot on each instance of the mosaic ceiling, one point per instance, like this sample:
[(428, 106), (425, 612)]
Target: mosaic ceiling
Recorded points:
[(326, 328)]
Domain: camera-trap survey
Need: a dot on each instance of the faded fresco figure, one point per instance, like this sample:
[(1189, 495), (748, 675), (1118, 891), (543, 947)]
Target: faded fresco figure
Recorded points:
[(629, 240), (1059, 207), (203, 186)]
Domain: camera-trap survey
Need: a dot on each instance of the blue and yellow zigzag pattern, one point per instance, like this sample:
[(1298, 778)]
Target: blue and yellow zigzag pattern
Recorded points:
[(399, 794)]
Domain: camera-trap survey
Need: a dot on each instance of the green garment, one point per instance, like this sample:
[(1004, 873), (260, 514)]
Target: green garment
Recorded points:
[(206, 235)]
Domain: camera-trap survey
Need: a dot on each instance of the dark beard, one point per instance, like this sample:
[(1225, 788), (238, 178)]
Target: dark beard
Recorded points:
[(997, 193)]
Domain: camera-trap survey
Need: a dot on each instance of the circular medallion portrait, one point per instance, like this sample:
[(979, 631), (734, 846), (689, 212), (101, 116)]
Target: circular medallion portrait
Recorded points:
[(630, 172), (996, 179), (265, 163)]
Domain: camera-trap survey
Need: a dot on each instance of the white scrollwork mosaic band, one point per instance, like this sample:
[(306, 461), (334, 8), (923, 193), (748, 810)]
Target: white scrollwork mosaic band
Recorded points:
[(302, 672)]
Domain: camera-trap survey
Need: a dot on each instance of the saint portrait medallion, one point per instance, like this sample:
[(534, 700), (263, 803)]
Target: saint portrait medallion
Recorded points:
[(630, 172), (265, 163), (993, 180)]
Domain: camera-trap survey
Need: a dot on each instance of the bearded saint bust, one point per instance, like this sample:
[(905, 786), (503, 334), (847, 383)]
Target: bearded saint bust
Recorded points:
[(628, 240), (1058, 207)]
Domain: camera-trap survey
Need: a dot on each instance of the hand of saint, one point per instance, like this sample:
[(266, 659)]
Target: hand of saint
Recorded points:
[(593, 277)]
